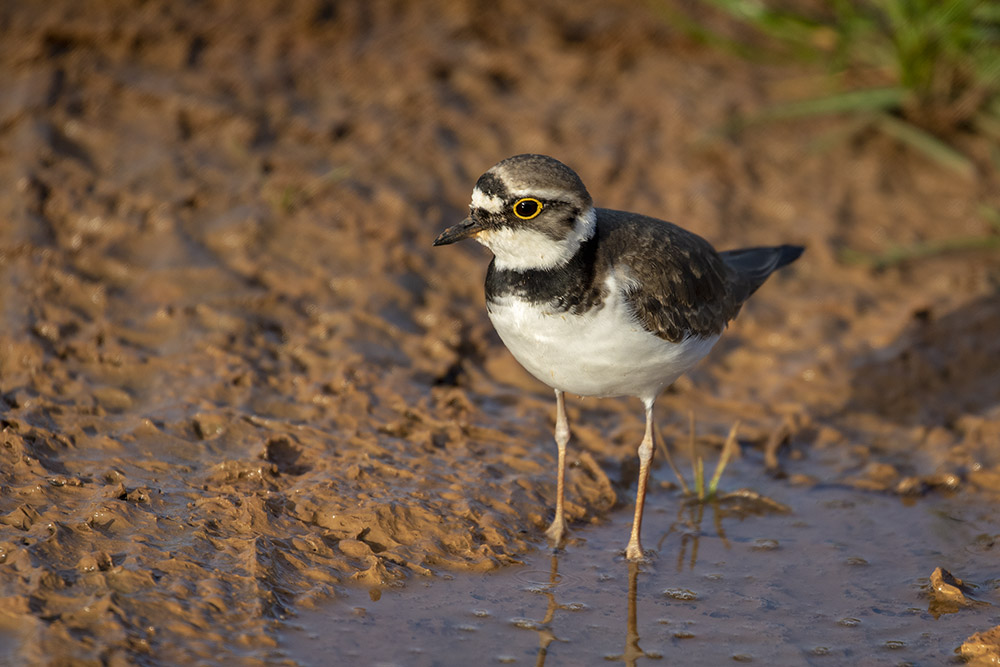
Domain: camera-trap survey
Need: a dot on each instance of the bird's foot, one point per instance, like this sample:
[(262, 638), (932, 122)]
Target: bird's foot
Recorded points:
[(634, 553), (557, 532)]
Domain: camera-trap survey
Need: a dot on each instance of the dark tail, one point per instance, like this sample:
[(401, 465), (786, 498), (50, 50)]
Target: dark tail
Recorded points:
[(752, 266)]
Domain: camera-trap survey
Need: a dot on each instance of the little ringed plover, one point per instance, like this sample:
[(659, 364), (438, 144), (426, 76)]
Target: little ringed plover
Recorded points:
[(598, 302)]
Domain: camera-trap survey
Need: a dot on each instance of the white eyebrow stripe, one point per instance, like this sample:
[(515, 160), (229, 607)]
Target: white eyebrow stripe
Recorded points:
[(535, 193), (490, 203)]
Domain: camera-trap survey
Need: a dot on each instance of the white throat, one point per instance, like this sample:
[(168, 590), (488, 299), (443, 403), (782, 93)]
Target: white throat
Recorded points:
[(523, 248)]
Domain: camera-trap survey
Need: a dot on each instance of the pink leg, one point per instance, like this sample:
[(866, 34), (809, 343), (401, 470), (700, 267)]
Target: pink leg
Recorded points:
[(557, 531), (634, 550)]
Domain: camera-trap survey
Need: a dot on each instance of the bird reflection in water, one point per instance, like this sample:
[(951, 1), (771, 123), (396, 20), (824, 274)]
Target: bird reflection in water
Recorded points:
[(544, 628), (738, 504), (632, 649)]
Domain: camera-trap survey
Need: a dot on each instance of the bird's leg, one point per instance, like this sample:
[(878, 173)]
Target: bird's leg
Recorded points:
[(634, 550), (557, 531)]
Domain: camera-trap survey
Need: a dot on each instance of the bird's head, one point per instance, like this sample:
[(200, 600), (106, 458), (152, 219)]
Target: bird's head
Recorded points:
[(532, 211)]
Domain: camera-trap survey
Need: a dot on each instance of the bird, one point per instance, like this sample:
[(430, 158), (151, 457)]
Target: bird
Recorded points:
[(600, 302)]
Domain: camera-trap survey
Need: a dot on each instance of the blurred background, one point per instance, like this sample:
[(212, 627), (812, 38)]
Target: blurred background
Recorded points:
[(235, 375)]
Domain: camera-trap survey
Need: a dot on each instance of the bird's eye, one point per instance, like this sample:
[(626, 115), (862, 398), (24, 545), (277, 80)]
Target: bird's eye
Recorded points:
[(527, 208)]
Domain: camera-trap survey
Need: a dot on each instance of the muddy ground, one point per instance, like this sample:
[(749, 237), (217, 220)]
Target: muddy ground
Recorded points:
[(235, 376)]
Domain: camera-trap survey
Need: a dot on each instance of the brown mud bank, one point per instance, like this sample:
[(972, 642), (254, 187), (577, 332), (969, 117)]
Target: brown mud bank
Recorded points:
[(234, 375)]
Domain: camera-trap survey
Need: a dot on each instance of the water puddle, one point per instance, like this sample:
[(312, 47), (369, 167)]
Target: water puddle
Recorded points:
[(842, 575)]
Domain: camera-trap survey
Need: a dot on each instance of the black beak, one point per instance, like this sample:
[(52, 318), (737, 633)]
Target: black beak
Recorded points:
[(463, 230)]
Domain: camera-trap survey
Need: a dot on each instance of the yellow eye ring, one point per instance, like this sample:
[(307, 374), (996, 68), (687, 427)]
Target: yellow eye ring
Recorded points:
[(527, 208)]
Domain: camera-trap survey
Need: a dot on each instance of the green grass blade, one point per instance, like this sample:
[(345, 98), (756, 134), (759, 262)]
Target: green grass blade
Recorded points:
[(928, 144), (728, 449), (871, 99), (898, 255), (841, 134)]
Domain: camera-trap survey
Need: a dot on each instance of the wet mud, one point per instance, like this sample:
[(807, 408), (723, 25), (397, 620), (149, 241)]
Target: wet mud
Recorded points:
[(236, 380)]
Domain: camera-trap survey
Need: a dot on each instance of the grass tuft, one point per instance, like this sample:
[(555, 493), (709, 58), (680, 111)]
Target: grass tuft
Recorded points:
[(702, 492), (924, 71)]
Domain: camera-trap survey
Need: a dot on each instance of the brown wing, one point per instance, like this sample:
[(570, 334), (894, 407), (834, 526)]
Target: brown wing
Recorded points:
[(681, 285)]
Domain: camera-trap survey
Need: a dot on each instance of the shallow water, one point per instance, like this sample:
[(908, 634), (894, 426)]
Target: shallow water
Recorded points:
[(841, 576)]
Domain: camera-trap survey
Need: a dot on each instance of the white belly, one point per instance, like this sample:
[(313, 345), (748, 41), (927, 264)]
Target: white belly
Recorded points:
[(604, 352)]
